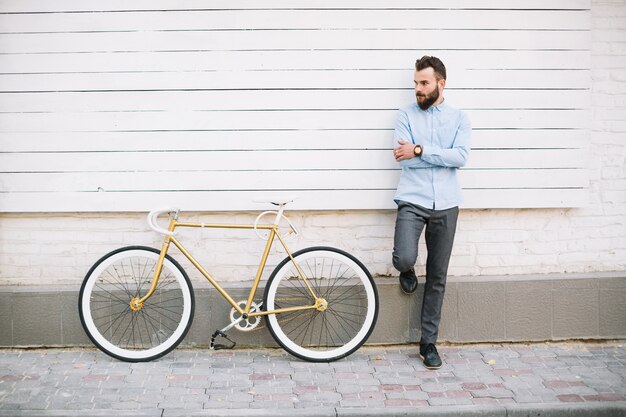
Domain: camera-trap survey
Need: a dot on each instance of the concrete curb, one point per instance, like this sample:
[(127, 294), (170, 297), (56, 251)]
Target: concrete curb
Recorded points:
[(599, 409), (80, 413)]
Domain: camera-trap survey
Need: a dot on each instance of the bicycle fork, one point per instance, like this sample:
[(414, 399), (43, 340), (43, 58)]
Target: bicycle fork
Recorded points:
[(136, 303)]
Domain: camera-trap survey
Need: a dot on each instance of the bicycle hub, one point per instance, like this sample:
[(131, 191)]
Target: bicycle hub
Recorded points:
[(136, 304), (321, 304)]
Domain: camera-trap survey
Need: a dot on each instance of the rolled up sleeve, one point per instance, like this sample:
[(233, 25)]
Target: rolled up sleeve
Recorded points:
[(403, 133)]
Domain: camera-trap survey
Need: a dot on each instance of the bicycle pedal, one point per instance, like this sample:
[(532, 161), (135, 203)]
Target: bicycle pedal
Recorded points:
[(220, 346)]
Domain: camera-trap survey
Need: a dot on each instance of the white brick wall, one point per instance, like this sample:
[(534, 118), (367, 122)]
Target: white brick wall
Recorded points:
[(59, 248)]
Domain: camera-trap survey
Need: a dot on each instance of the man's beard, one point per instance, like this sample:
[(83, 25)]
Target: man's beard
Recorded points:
[(429, 99)]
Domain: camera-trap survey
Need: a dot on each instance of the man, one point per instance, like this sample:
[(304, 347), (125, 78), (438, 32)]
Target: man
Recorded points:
[(431, 140)]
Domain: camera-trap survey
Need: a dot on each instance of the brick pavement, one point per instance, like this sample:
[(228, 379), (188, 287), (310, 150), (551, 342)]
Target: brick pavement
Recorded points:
[(389, 380)]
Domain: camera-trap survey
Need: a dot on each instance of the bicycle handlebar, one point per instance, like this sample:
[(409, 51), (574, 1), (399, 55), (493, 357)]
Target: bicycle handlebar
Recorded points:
[(152, 220), (154, 214)]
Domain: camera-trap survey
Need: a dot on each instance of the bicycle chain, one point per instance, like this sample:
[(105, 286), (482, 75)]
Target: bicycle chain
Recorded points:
[(258, 327)]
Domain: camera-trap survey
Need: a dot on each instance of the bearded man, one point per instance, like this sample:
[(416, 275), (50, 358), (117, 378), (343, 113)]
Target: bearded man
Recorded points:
[(431, 141)]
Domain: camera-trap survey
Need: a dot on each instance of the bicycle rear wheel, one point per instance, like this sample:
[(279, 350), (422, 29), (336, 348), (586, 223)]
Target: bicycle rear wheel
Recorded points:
[(340, 329), (150, 332)]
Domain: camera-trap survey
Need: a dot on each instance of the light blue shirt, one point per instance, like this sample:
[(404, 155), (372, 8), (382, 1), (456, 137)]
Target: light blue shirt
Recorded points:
[(431, 180)]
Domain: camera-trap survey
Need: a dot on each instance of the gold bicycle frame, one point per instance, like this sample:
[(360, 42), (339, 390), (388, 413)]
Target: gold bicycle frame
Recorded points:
[(318, 304)]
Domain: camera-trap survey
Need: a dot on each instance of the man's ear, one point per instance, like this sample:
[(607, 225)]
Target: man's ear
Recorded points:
[(442, 83)]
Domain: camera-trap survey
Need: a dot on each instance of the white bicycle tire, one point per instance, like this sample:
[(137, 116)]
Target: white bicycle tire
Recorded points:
[(102, 341), (367, 326)]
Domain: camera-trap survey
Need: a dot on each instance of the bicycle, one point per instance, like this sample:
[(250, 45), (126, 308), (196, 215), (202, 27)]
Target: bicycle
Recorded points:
[(320, 303)]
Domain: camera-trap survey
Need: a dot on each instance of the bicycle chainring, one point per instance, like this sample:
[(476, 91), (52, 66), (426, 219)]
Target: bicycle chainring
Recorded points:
[(245, 325)]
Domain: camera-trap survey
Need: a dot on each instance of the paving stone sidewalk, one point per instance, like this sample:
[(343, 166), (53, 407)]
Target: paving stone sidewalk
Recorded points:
[(390, 380)]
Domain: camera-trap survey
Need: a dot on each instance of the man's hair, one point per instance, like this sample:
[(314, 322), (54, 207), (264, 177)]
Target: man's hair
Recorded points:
[(434, 63)]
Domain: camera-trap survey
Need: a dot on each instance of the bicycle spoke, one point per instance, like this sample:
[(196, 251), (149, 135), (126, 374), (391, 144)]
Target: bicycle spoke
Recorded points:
[(155, 330), (142, 316), (115, 281), (99, 294), (302, 328), (329, 333), (162, 325), (117, 319)]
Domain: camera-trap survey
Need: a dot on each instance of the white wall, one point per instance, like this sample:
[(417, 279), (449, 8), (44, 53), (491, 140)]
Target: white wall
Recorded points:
[(128, 105), (40, 248)]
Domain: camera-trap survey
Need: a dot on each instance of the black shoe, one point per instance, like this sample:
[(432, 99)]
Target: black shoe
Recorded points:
[(429, 355), (408, 281)]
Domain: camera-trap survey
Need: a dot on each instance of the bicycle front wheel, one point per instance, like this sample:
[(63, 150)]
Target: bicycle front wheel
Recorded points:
[(135, 335), (326, 334)]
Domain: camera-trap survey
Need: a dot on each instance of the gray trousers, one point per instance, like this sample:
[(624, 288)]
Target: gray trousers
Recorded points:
[(440, 230)]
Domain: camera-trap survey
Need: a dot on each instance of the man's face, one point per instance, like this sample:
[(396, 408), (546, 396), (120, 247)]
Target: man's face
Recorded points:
[(427, 88)]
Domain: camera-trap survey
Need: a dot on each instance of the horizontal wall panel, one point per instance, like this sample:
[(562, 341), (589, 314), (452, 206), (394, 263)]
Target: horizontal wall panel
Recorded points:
[(278, 180), (208, 161), (530, 119), (317, 99), (218, 120), (539, 178), (549, 80), (530, 139), (270, 160), (311, 200), (195, 141), (23, 6), (290, 40), (236, 61), (288, 19), (275, 120), (271, 140), (526, 198)]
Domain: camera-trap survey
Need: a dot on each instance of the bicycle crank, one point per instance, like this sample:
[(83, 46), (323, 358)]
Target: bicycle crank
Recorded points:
[(244, 324), (236, 320)]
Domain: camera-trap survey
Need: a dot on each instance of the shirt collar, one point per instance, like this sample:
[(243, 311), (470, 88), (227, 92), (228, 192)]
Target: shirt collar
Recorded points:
[(441, 106)]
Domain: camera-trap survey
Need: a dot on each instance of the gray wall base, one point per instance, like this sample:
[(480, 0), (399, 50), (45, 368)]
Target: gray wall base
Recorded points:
[(476, 309)]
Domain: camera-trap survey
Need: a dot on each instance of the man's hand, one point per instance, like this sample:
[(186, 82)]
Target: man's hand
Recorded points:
[(404, 151)]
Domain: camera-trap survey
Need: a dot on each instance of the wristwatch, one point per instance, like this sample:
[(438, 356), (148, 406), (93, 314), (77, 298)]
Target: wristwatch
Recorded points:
[(417, 151)]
